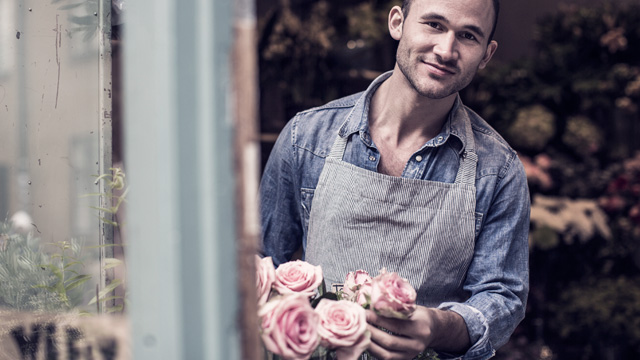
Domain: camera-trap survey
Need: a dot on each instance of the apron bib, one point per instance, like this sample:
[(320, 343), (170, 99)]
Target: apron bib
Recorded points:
[(423, 230)]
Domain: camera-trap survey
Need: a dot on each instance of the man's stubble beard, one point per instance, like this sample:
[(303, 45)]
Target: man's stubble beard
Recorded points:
[(428, 90)]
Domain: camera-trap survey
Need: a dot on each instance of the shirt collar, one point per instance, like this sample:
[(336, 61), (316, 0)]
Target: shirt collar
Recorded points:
[(358, 118)]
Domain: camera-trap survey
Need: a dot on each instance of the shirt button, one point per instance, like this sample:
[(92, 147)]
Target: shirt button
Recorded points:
[(440, 138), (418, 158), (372, 158)]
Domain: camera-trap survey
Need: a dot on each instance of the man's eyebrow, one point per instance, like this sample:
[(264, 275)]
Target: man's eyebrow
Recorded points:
[(434, 16)]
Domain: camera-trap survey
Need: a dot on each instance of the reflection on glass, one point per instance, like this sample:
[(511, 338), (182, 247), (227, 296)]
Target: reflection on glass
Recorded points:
[(49, 155)]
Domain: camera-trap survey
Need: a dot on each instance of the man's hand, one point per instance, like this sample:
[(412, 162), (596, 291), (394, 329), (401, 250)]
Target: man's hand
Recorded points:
[(427, 328)]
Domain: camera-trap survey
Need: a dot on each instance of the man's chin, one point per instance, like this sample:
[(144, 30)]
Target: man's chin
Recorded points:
[(435, 94)]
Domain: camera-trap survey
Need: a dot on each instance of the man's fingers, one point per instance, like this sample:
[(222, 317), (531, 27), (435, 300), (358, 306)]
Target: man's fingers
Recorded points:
[(380, 352), (394, 325), (394, 343), (384, 339)]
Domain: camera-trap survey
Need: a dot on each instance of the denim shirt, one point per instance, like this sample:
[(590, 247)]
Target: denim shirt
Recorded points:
[(497, 281)]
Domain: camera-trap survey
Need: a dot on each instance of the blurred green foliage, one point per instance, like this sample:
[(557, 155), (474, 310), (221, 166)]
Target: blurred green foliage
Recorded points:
[(602, 315), (33, 278), (585, 73), (51, 277), (311, 52)]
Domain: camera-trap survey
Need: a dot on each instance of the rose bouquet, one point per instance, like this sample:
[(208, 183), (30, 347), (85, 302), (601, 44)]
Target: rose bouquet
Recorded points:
[(300, 320)]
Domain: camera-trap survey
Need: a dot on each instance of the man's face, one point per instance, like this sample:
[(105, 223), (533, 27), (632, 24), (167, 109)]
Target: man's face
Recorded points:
[(442, 43)]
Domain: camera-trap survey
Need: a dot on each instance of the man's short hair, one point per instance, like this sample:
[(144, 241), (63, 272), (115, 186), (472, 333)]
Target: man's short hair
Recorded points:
[(406, 4)]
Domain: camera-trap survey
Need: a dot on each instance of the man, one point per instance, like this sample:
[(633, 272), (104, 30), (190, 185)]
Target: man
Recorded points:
[(404, 176)]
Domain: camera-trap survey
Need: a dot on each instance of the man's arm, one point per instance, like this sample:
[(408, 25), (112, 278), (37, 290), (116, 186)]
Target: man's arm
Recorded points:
[(498, 276), (279, 202), (497, 281)]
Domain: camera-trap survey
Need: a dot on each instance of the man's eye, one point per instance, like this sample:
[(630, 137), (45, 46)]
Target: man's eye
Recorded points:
[(469, 36), (434, 25)]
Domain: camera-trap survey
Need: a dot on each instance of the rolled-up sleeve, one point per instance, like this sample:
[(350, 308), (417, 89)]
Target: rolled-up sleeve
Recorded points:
[(498, 276)]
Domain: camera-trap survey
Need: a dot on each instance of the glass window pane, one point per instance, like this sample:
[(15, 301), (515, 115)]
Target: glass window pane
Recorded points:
[(49, 154)]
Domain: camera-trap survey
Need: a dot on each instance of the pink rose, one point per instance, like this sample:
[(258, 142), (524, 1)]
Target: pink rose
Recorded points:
[(357, 287), (265, 276), (392, 296), (363, 296), (290, 327), (343, 326), (298, 277)]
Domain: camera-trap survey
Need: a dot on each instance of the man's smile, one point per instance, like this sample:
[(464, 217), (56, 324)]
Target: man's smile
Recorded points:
[(438, 69)]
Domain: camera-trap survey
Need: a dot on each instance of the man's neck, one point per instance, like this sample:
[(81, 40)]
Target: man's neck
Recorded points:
[(402, 116), (401, 121)]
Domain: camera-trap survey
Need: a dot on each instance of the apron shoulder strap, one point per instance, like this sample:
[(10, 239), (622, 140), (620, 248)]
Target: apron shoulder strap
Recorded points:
[(337, 150), (469, 158), (467, 170)]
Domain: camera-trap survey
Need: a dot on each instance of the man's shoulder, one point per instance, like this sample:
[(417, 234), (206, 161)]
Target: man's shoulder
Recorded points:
[(346, 102), (317, 127), (494, 152), (484, 131)]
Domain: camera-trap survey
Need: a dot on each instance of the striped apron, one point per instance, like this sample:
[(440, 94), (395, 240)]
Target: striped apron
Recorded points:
[(423, 230)]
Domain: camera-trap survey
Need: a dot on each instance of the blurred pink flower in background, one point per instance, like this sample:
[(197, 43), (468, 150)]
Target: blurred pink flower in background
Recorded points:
[(536, 170)]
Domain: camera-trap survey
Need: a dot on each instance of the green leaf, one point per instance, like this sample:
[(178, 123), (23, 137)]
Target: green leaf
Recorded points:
[(320, 353), (121, 198), (328, 296), (112, 223), (77, 281), (73, 272), (71, 264), (110, 211), (77, 277), (55, 270), (48, 288), (114, 284), (114, 309), (111, 263), (322, 289)]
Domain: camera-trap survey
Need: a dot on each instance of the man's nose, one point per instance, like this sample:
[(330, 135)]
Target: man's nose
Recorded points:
[(445, 47)]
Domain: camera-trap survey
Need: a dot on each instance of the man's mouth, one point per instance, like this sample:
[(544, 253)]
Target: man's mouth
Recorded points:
[(440, 70)]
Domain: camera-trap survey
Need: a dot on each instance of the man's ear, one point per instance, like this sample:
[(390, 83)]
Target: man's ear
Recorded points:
[(396, 19), (491, 49)]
